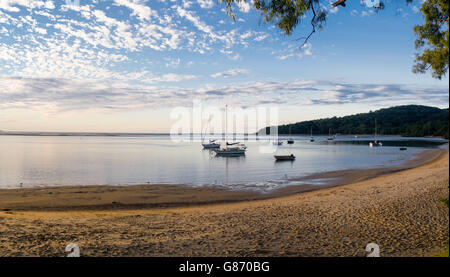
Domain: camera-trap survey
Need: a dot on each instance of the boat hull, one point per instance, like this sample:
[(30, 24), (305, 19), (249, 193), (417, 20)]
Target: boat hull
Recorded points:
[(284, 157), (376, 144), (230, 152), (211, 145)]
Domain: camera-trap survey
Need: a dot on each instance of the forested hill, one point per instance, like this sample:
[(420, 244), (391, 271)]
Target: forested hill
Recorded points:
[(411, 120)]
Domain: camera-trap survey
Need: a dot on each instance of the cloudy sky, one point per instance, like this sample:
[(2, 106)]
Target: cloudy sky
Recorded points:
[(123, 65)]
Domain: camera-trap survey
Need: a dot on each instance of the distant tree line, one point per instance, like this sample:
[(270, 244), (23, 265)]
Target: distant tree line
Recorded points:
[(410, 120)]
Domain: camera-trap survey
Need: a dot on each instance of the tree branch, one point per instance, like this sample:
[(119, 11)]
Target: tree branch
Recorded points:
[(305, 39)]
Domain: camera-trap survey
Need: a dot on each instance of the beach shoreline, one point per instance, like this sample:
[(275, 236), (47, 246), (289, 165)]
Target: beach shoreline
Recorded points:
[(145, 196), (401, 211)]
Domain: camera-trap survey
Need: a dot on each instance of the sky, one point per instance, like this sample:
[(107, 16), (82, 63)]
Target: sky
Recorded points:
[(124, 65)]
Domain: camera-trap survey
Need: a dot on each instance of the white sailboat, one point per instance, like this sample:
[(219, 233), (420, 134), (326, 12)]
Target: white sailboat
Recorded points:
[(375, 143), (288, 157), (230, 149), (212, 142), (330, 138), (311, 139), (290, 141)]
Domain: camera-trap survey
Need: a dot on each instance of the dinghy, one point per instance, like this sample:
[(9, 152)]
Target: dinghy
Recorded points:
[(290, 157)]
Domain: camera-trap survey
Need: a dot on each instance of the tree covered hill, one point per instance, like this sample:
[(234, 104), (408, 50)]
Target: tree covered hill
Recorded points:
[(410, 120)]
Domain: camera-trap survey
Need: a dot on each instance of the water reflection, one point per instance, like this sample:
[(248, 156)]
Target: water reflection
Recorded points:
[(66, 160)]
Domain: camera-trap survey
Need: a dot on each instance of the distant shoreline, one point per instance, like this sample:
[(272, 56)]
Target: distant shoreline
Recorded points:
[(89, 134), (75, 134)]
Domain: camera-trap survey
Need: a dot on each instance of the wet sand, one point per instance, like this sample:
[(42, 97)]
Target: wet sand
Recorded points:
[(400, 211)]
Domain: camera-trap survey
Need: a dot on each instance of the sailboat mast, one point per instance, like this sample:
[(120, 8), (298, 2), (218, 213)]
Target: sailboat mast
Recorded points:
[(226, 124), (201, 134)]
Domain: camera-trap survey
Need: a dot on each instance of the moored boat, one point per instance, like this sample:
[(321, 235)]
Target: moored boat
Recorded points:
[(290, 157), (231, 148), (330, 138), (375, 143), (212, 144), (231, 151), (290, 141)]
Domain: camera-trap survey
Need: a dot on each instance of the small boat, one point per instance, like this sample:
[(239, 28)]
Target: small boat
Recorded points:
[(330, 138), (231, 148), (230, 151), (212, 144), (403, 148), (290, 141), (375, 143), (290, 157), (311, 139)]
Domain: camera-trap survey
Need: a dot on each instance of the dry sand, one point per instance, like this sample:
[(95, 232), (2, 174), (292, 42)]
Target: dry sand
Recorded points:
[(401, 211)]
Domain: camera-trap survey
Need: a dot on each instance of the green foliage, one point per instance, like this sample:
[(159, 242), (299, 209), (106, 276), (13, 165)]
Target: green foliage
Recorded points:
[(285, 14), (434, 35), (410, 120)]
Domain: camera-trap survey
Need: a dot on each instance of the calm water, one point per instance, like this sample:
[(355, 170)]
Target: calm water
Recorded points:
[(27, 161)]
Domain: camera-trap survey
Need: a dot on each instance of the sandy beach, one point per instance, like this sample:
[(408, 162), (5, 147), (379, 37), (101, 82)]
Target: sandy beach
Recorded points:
[(399, 208)]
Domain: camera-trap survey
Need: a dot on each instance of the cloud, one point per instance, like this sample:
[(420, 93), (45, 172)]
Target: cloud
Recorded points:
[(371, 93), (230, 73), (186, 4), (206, 4), (243, 6), (97, 42), (139, 9), (61, 95), (306, 50), (40, 30), (171, 77), (261, 37), (333, 10), (329, 8), (174, 63), (367, 13), (11, 5)]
